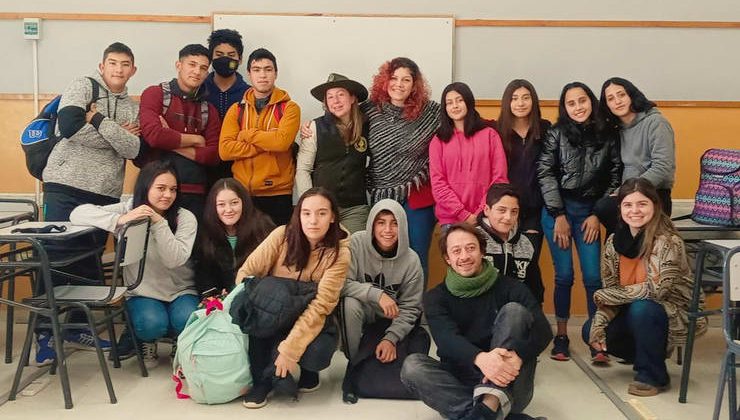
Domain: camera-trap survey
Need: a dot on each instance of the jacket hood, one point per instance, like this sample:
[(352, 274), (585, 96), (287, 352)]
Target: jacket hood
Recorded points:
[(641, 116), (403, 231), (486, 226), (201, 94), (104, 87), (278, 95)]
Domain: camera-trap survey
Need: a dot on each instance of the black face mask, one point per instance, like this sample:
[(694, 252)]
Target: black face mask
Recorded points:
[(225, 66)]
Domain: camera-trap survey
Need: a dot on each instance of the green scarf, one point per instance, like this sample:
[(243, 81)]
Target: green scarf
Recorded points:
[(467, 287)]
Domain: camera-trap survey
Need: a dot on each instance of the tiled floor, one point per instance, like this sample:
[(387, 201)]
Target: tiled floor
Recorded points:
[(562, 392)]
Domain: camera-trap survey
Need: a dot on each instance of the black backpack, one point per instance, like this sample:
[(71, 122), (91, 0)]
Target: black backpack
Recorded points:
[(372, 379), (38, 138)]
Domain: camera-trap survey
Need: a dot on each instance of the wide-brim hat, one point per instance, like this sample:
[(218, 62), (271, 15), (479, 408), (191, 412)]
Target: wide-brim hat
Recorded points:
[(337, 80)]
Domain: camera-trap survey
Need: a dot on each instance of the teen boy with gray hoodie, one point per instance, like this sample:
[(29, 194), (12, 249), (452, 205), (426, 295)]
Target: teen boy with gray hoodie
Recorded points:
[(385, 280), (87, 166)]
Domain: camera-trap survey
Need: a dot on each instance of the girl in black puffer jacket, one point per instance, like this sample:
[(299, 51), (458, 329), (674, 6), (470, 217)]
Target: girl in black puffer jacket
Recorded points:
[(579, 164)]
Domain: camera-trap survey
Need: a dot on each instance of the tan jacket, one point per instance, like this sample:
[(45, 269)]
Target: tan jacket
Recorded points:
[(269, 258), (669, 282)]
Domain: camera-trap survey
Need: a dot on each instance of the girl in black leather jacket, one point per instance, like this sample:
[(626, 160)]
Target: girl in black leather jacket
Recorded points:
[(578, 165)]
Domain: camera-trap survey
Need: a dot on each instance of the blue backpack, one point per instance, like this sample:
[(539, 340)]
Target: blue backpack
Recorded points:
[(38, 138), (211, 365)]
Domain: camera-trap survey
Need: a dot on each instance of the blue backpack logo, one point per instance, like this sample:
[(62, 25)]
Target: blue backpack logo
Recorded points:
[(38, 138)]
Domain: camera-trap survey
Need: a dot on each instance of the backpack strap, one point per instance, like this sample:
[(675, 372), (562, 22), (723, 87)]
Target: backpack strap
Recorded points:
[(279, 110), (240, 116), (166, 96), (95, 91)]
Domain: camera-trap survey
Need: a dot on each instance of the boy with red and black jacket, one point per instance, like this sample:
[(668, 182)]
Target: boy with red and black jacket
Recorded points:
[(179, 124)]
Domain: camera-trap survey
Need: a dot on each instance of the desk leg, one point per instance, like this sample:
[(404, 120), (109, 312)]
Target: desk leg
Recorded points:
[(693, 309), (9, 322)]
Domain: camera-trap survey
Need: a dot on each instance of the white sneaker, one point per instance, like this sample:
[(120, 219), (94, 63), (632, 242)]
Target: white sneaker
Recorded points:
[(149, 354)]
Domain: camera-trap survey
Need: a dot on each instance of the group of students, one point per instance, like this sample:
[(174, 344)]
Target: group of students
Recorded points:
[(383, 166)]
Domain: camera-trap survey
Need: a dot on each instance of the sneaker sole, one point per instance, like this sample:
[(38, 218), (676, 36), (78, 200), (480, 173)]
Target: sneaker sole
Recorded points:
[(253, 404), (649, 392), (309, 390), (560, 357), (600, 360)]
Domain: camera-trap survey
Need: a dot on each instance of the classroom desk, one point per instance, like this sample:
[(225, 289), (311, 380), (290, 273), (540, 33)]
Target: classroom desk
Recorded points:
[(702, 278), (14, 211), (27, 253)]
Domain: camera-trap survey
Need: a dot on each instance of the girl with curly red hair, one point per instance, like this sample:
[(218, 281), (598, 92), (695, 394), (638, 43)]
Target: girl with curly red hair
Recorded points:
[(402, 121)]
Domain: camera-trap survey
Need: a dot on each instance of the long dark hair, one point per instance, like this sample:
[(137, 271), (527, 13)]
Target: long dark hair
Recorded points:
[(299, 249), (472, 122), (574, 131), (506, 117), (144, 182), (639, 103), (660, 224), (251, 229)]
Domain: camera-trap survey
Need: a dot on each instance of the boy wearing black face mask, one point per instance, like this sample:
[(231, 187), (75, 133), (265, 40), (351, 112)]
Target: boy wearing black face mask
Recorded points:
[(225, 85)]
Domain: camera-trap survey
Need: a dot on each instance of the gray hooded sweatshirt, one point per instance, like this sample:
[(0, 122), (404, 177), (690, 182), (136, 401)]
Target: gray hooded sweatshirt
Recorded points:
[(400, 276), (648, 149), (167, 271), (92, 156)]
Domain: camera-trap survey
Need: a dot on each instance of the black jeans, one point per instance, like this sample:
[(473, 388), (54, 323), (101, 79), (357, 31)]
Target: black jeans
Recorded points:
[(318, 354), (449, 389)]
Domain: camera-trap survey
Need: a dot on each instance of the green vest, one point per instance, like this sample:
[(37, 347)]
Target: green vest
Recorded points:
[(338, 167)]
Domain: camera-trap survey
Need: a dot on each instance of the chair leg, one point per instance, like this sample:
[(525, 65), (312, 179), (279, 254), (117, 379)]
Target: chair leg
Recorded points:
[(61, 361), (9, 321), (101, 355), (731, 384), (721, 386), (113, 341), (130, 328), (25, 354), (679, 354), (693, 308)]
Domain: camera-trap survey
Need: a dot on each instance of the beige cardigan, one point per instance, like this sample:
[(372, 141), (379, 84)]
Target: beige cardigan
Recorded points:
[(269, 257), (669, 282)]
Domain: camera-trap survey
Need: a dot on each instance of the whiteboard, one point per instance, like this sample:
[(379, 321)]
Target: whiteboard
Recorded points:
[(308, 48)]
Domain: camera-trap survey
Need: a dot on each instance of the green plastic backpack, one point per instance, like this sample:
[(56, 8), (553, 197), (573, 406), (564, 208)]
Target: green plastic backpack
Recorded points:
[(211, 365)]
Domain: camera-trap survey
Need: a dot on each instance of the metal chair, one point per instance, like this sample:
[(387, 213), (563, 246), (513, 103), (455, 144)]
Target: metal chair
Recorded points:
[(730, 301), (706, 278), (29, 213), (131, 247)]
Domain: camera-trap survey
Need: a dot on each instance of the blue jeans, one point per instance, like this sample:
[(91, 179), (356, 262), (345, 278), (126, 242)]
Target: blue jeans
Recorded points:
[(421, 226), (589, 255), (449, 389), (153, 319), (639, 334)]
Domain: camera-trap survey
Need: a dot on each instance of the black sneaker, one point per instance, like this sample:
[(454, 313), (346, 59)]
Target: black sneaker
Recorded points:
[(348, 392), (125, 347), (309, 381), (599, 357), (560, 351), (257, 396), (285, 386)]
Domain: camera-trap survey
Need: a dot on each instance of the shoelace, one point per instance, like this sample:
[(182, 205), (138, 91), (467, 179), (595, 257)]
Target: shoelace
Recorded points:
[(149, 350)]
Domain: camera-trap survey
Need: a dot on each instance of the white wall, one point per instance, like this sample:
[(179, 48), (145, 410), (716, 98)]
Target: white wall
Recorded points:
[(678, 64)]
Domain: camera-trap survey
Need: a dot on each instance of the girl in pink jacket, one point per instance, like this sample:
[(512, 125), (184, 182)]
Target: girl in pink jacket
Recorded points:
[(465, 158)]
